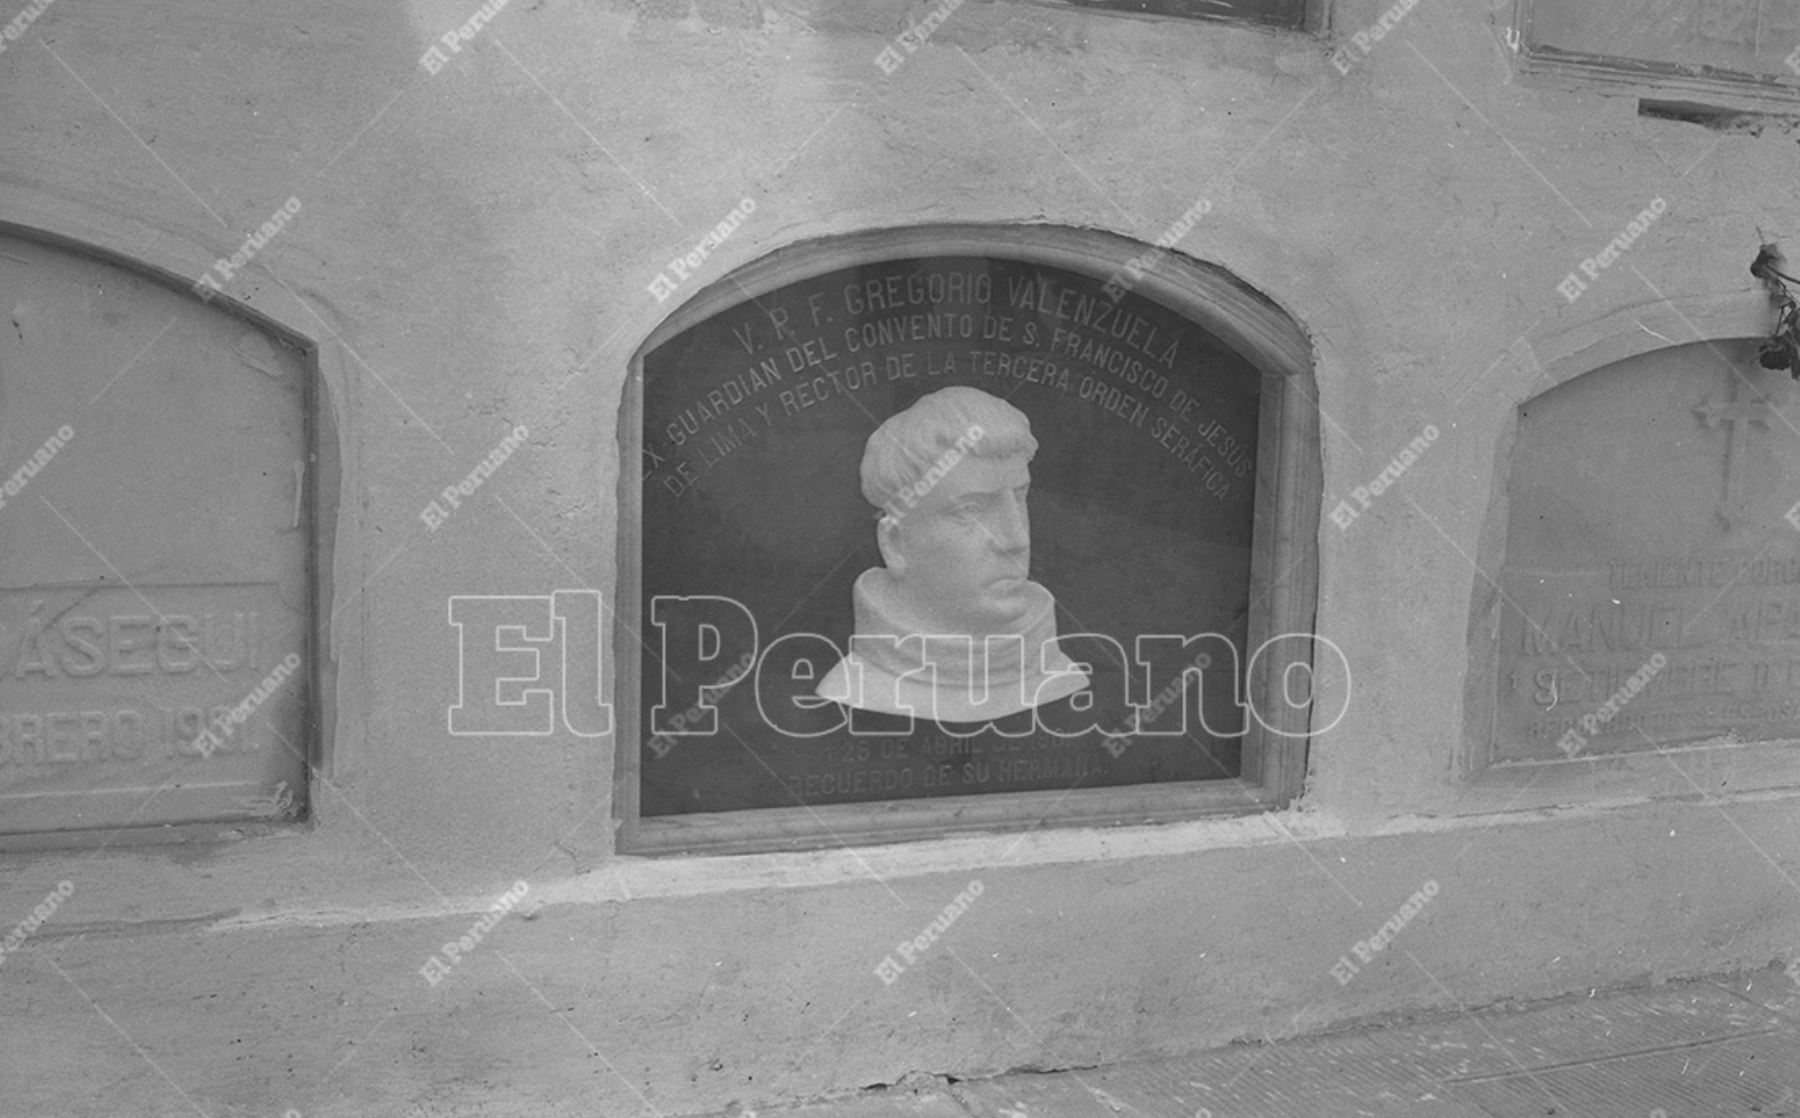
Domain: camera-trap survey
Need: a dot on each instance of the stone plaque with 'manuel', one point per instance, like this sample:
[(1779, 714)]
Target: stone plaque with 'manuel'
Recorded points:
[(1650, 593)]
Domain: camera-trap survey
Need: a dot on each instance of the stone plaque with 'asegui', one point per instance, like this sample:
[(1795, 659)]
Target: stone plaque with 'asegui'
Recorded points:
[(867, 493), (1650, 593), (153, 554)]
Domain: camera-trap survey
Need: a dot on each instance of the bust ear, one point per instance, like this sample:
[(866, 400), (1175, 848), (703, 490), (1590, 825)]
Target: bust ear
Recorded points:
[(887, 535)]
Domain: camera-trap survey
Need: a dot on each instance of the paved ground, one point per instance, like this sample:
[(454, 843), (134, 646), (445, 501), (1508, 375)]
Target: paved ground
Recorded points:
[(1726, 1046)]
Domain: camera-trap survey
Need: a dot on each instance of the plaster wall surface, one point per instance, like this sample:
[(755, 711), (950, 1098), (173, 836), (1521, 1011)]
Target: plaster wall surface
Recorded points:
[(472, 254)]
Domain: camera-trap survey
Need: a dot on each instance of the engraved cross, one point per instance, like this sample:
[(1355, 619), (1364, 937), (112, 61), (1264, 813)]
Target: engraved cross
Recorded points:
[(1736, 411)]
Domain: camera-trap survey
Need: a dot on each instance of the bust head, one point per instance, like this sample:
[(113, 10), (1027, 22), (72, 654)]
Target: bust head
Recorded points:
[(951, 474)]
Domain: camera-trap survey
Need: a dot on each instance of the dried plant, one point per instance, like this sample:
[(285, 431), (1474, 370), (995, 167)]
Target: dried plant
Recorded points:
[(1780, 350)]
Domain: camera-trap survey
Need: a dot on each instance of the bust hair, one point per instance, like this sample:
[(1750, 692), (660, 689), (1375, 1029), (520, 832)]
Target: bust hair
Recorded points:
[(913, 441)]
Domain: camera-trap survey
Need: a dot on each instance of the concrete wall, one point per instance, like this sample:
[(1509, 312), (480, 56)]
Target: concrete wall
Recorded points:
[(472, 254)]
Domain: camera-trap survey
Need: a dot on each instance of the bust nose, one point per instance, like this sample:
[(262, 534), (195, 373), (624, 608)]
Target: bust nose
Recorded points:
[(1012, 527)]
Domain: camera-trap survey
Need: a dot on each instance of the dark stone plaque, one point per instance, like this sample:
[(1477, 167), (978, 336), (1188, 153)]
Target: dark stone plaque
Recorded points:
[(1651, 586), (153, 554), (757, 530)]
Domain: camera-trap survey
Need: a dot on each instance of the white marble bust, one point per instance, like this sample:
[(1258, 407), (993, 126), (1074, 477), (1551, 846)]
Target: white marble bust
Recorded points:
[(951, 628)]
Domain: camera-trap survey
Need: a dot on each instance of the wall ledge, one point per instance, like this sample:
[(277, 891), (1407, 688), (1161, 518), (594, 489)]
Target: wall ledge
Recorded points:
[(627, 878)]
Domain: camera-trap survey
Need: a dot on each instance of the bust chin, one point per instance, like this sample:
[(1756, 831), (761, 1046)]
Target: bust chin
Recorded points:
[(904, 662)]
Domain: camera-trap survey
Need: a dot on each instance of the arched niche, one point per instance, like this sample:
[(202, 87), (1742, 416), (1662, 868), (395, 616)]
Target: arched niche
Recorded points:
[(159, 456), (1648, 585), (1175, 492)]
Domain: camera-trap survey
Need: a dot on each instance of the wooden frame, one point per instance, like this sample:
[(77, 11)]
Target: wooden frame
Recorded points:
[(1307, 15), (1672, 84), (1283, 589)]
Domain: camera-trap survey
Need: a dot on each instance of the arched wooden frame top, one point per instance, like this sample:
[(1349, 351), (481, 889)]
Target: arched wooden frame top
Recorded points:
[(1283, 588)]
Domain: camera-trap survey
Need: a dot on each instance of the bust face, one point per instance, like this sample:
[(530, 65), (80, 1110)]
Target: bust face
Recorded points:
[(961, 555)]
